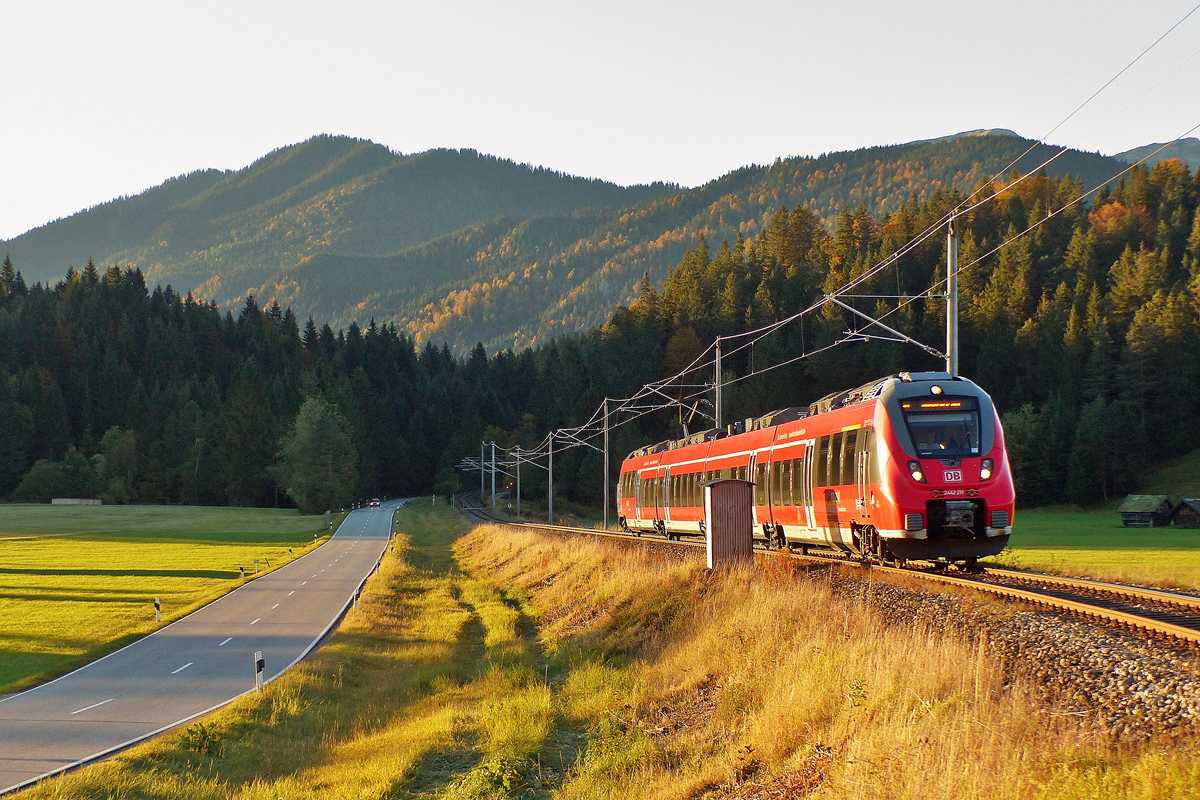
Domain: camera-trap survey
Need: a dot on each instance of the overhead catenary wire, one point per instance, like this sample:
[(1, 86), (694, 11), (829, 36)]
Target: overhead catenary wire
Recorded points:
[(922, 296), (572, 437), (574, 432), (932, 290)]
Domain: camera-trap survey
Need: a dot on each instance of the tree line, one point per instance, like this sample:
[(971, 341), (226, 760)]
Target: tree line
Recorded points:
[(1086, 332)]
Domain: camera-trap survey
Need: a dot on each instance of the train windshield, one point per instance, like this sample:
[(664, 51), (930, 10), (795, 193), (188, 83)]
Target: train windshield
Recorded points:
[(946, 427)]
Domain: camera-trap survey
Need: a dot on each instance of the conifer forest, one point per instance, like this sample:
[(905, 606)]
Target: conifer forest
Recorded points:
[(1085, 331)]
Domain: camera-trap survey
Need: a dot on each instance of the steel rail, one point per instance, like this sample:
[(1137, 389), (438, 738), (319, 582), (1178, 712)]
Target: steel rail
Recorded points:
[(1119, 590), (1076, 607)]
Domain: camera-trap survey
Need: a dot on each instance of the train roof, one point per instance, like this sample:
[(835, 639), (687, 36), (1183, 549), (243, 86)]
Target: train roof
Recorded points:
[(741, 426), (830, 402), (875, 389)]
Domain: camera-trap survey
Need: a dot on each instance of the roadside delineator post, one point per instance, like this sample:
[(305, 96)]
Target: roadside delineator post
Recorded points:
[(289, 554), (242, 569), (260, 665), (157, 611), (256, 566)]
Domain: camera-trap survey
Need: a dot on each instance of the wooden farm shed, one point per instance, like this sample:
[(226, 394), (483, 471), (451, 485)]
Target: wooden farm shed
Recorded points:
[(1187, 513), (1146, 511)]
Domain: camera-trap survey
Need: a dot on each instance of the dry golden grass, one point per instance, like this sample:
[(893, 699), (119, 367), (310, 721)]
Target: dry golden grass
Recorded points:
[(740, 684), (502, 665)]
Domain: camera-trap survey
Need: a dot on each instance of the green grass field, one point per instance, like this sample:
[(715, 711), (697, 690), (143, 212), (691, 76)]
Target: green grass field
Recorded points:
[(1092, 544), (501, 665), (79, 581)]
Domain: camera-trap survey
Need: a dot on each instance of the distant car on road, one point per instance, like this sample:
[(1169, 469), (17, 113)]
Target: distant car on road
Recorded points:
[(374, 502)]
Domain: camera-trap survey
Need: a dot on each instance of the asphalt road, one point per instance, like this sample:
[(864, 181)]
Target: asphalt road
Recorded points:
[(192, 666)]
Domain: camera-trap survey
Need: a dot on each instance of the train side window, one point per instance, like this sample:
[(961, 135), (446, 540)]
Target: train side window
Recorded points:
[(821, 462), (872, 462), (760, 484), (783, 483), (834, 470), (849, 448)]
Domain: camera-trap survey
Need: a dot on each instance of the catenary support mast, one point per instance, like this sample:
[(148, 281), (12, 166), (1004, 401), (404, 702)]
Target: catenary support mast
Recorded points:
[(717, 384), (606, 472), (952, 299)]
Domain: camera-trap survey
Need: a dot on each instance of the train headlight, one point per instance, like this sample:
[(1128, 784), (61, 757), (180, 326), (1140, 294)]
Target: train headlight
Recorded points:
[(986, 470), (935, 389), (914, 469)]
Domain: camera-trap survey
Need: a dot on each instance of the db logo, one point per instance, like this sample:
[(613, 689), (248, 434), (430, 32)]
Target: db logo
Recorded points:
[(952, 476)]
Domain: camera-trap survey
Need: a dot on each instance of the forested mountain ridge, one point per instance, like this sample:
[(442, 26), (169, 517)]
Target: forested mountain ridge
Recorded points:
[(1083, 325), (1186, 150), (457, 247), (221, 234), (523, 288)]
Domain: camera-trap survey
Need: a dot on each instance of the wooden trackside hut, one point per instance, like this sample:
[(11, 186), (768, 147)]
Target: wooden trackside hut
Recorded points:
[(1146, 511), (1187, 513)]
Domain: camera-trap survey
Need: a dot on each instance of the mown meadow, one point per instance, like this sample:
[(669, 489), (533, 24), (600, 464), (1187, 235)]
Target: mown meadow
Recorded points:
[(1091, 543), (80, 581), (494, 664)]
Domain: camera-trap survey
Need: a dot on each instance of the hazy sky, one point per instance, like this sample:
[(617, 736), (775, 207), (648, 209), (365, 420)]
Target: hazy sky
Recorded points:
[(103, 99)]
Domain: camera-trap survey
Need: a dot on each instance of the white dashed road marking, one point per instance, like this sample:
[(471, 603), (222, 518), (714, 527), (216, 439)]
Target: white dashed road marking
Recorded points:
[(185, 666), (93, 705)]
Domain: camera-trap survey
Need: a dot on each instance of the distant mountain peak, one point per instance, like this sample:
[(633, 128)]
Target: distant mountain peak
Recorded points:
[(1186, 150), (971, 134)]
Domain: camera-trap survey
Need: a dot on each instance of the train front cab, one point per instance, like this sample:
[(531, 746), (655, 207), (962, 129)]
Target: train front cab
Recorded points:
[(946, 473)]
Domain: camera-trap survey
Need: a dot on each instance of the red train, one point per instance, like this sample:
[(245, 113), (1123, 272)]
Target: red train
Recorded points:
[(909, 467)]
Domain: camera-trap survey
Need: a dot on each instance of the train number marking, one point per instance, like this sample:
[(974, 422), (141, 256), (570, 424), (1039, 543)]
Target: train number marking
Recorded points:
[(952, 476)]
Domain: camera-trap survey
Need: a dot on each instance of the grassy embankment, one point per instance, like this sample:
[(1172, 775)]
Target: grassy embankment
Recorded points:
[(512, 665), (80, 581), (1092, 543)]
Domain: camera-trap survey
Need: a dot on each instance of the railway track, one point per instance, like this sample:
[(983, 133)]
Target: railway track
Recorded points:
[(1168, 616)]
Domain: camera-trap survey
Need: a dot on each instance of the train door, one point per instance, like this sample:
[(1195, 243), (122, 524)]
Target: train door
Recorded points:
[(660, 496), (668, 497), (752, 474), (806, 486), (638, 499), (862, 452)]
